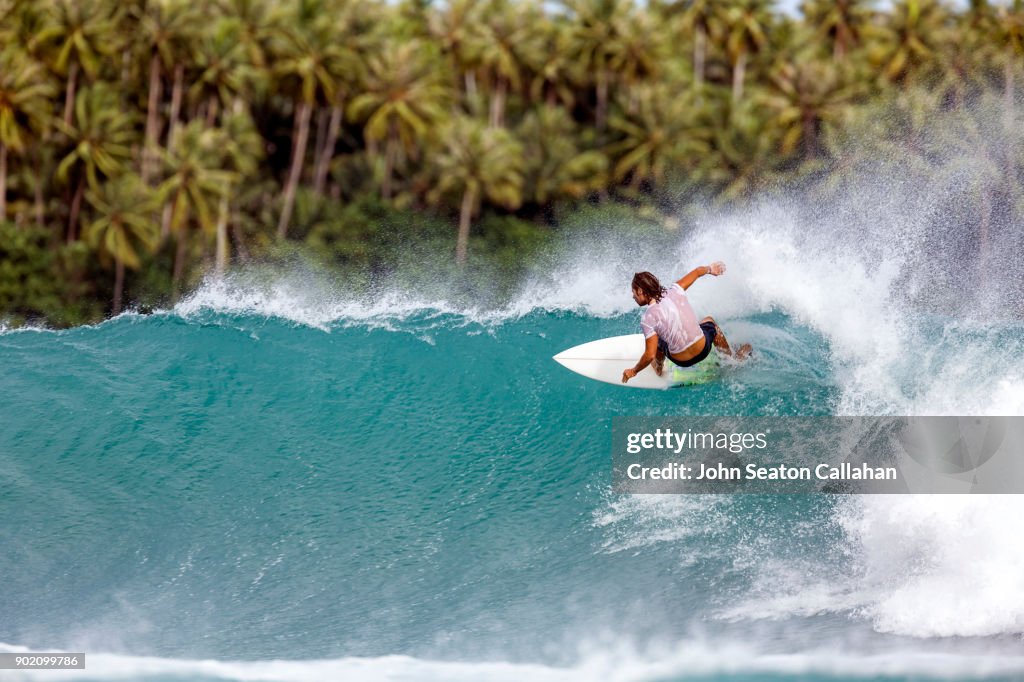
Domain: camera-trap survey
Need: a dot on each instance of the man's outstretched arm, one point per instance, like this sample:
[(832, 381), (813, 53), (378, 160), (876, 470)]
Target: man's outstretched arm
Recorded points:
[(716, 268)]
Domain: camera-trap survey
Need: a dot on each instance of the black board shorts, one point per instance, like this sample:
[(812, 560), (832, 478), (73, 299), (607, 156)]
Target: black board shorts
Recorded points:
[(710, 332)]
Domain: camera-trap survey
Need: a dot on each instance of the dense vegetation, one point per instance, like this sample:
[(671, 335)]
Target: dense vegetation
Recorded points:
[(144, 143)]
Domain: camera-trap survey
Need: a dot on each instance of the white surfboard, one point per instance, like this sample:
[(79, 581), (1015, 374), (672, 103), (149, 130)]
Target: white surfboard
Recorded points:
[(605, 360)]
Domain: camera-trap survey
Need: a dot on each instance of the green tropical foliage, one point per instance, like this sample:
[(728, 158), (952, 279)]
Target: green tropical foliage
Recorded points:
[(99, 145), (476, 163), (169, 139), (123, 227), (25, 94)]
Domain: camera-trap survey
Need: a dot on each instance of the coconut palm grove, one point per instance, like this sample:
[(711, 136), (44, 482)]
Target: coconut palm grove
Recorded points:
[(147, 144)]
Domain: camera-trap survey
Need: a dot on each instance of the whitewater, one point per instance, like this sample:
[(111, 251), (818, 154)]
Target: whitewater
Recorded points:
[(277, 479)]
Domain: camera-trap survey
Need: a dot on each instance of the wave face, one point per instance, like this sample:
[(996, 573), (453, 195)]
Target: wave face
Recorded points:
[(275, 480)]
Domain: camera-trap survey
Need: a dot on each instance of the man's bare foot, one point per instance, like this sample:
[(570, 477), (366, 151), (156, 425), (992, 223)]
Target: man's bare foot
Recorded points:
[(743, 351)]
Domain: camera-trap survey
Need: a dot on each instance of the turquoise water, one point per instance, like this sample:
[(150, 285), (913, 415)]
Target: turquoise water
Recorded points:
[(273, 483)]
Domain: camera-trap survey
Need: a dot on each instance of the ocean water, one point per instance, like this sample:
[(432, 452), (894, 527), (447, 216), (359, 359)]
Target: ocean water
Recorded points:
[(275, 480)]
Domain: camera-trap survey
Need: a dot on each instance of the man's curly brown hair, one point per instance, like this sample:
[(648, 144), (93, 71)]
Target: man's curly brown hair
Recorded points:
[(649, 285)]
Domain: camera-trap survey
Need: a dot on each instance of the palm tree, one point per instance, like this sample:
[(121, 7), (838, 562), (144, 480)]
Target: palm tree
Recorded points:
[(639, 54), (743, 156), (696, 19), (553, 71), (243, 148), (20, 22), (912, 37), (224, 72), (597, 38), (259, 27), (308, 66), (404, 95), (505, 36), (1010, 23), (352, 29), (25, 94), (82, 34), (659, 135), (101, 140), (124, 225), (194, 180), (839, 22), (168, 27), (744, 25), (453, 27), (806, 95), (555, 167), (477, 162)]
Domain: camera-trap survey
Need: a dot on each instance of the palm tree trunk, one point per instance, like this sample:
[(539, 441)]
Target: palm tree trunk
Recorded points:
[(298, 159), (699, 52), (76, 207), (172, 129), (118, 286), (126, 74), (211, 111), (810, 136), (333, 130), (181, 235), (602, 98), (320, 141), (389, 160), (176, 90), (236, 231), (165, 222), (169, 214), (69, 93), (152, 122), (842, 40), (223, 253), (3, 182), (739, 74), (179, 263), (465, 214), (498, 103)]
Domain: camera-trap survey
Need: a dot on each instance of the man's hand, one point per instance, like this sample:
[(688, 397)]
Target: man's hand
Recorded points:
[(716, 268), (628, 374)]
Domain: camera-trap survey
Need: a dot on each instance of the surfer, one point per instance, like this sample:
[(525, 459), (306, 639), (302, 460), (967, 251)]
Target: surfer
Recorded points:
[(670, 326)]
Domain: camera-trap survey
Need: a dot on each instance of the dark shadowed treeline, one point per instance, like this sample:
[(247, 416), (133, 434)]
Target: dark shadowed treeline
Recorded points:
[(144, 144)]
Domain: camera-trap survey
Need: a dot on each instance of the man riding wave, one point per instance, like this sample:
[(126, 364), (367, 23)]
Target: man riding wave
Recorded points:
[(670, 326)]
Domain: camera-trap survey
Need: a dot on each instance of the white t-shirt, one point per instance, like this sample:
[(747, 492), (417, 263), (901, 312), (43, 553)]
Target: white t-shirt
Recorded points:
[(673, 320)]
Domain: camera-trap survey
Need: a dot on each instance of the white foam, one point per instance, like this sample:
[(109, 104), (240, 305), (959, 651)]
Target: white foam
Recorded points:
[(612, 663), (939, 565), (927, 566), (303, 299), (634, 522)]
